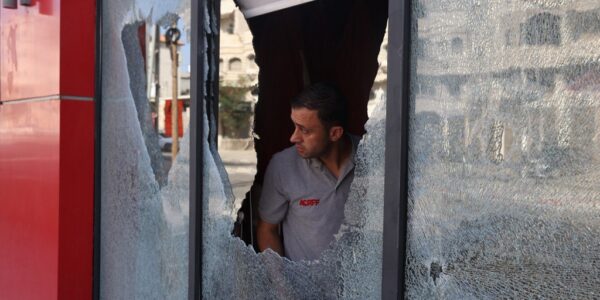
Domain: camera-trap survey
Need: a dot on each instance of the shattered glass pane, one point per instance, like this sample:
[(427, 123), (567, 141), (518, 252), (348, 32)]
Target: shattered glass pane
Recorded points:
[(504, 194), (144, 205)]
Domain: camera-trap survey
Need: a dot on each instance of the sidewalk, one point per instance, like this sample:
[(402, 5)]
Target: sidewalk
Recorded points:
[(241, 168)]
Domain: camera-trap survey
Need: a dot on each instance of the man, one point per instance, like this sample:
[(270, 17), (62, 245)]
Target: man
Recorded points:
[(306, 186)]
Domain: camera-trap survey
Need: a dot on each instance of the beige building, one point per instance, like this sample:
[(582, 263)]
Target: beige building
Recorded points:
[(236, 62), (237, 59)]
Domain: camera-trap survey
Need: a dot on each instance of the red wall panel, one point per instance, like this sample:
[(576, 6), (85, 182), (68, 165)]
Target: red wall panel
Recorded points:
[(47, 150), (46, 192), (29, 199)]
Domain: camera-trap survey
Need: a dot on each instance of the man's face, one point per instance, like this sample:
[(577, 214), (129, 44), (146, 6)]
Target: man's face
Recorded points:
[(310, 136)]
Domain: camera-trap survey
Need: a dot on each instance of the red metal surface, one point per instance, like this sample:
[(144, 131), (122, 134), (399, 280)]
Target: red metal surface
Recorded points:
[(47, 150), (29, 200), (77, 45), (30, 50), (46, 211), (169, 117), (76, 199)]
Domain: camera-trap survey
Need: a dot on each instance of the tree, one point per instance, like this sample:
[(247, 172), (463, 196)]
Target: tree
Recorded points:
[(234, 111)]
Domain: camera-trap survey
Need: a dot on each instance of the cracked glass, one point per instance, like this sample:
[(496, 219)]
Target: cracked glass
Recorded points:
[(503, 183), (144, 178)]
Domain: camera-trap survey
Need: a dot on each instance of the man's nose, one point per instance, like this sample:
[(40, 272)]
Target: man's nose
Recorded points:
[(295, 138)]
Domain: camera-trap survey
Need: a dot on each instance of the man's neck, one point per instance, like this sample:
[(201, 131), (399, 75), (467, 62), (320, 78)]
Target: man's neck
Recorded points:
[(337, 156)]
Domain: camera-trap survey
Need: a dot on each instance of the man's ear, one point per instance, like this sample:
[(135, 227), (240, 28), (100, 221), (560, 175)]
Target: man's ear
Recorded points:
[(336, 133)]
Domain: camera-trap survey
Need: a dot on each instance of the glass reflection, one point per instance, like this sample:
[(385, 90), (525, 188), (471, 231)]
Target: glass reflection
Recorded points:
[(502, 196)]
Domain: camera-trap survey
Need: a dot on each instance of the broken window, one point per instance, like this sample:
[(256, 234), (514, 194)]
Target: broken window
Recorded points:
[(144, 150), (503, 198), (503, 152), (296, 47), (145, 181)]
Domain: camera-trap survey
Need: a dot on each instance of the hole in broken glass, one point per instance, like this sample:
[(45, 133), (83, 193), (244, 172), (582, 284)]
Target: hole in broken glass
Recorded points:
[(272, 122), (238, 94), (149, 234)]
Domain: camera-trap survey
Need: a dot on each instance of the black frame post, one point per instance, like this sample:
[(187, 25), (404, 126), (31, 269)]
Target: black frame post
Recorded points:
[(198, 52), (97, 153), (396, 151)]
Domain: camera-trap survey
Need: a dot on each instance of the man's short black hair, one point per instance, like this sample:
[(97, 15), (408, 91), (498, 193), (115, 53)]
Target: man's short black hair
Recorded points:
[(327, 100)]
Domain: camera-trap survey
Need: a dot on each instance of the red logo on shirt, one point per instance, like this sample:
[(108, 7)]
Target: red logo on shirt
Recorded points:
[(309, 202)]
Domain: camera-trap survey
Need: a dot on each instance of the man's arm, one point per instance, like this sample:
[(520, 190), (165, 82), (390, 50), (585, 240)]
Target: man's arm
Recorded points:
[(268, 237)]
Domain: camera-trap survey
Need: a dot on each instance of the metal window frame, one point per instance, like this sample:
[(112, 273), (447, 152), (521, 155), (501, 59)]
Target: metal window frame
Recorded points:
[(204, 91), (97, 153), (395, 221), (196, 149)]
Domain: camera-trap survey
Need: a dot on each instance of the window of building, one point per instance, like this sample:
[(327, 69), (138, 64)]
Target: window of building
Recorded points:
[(423, 45), (251, 60), (235, 64), (228, 23), (541, 29), (585, 22), (457, 45), (542, 77)]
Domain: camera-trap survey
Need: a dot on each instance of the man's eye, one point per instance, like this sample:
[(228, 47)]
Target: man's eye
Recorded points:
[(303, 130)]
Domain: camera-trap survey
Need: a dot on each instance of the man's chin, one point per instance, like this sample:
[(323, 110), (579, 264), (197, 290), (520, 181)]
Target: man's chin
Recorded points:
[(302, 153)]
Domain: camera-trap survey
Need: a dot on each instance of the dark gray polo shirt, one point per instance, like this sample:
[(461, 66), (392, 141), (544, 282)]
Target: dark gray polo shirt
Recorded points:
[(307, 199)]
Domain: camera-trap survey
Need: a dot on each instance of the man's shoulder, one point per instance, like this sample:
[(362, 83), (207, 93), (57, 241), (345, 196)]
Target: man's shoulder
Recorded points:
[(284, 162), (286, 156)]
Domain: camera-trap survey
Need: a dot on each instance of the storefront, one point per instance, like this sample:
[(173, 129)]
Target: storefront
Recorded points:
[(476, 176)]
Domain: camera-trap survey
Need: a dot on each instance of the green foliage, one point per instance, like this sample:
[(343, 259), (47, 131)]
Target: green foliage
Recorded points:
[(234, 111)]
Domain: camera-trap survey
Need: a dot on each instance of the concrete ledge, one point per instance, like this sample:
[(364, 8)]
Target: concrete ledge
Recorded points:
[(235, 144)]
